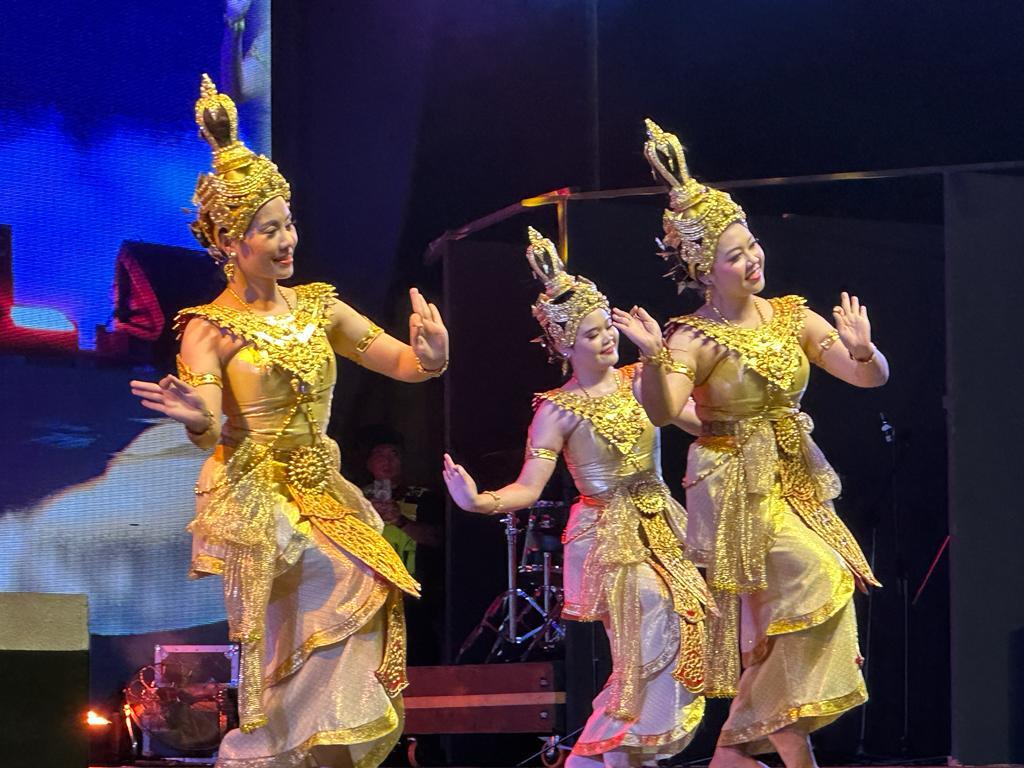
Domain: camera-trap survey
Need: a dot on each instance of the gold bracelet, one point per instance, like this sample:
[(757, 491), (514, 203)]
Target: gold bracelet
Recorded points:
[(870, 358), (497, 501), (664, 360), (432, 373), (209, 424), (540, 453)]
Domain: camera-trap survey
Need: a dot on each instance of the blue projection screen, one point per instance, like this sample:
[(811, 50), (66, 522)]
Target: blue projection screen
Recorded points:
[(99, 154)]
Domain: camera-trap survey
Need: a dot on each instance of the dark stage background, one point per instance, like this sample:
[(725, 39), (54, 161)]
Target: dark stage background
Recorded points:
[(397, 122)]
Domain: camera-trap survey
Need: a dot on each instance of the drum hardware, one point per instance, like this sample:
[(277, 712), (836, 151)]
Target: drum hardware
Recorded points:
[(525, 622)]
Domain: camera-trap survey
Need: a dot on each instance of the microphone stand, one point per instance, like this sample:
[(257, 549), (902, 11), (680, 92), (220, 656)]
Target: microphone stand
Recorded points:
[(889, 437)]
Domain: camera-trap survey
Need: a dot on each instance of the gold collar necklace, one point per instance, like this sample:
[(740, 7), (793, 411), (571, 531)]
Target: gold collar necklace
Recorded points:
[(248, 306), (727, 321), (592, 397)]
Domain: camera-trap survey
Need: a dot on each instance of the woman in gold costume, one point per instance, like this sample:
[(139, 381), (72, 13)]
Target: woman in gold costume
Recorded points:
[(312, 589), (623, 560), (780, 564)]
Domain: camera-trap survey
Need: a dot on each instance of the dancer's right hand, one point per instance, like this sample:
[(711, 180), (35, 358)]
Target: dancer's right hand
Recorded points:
[(640, 328), (175, 399), (461, 486)]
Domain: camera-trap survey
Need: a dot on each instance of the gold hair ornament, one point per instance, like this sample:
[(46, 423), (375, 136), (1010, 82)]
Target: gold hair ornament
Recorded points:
[(241, 181), (697, 214), (565, 301)]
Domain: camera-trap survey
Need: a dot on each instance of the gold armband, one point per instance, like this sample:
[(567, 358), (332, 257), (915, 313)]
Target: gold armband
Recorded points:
[(541, 453), (669, 364), (368, 338), (826, 344), (194, 379)]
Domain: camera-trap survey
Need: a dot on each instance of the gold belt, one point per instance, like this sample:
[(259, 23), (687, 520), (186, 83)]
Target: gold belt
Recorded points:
[(647, 491), (719, 428), (733, 427)]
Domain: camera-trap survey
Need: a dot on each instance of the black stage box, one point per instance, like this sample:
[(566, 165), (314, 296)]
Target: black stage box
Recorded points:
[(44, 680)]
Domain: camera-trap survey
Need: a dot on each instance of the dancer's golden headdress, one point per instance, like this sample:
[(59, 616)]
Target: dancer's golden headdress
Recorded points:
[(566, 299), (697, 214), (241, 182)]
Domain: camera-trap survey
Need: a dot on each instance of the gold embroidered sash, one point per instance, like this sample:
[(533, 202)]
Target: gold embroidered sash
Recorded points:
[(633, 529), (758, 454)]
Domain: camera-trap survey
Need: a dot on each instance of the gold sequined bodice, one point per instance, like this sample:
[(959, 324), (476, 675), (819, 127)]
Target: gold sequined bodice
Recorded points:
[(286, 361), (763, 371), (614, 440)]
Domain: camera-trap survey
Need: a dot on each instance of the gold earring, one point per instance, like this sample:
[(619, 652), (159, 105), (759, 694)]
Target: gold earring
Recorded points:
[(229, 270)]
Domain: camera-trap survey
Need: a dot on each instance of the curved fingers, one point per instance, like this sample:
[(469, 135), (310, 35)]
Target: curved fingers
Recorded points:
[(144, 386), (435, 314), (644, 315), (154, 405), (844, 302), (419, 304)]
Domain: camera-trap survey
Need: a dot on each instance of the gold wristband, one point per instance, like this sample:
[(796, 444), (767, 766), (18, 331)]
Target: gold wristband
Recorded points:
[(204, 430), (664, 360), (432, 373), (868, 359), (497, 501), (541, 453)]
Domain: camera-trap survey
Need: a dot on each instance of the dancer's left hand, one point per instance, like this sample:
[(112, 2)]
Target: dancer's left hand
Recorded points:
[(853, 325), (427, 335)]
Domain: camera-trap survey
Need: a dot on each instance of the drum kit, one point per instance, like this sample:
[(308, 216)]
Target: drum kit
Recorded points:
[(525, 619)]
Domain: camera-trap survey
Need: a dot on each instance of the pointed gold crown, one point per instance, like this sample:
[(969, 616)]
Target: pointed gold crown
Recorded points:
[(697, 214), (241, 181), (565, 301)]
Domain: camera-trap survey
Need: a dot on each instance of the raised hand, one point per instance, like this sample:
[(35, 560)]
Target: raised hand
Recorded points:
[(427, 335), (461, 485), (640, 328), (175, 399), (852, 323)]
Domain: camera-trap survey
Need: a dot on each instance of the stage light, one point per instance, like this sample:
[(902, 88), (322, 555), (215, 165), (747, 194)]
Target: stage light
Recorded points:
[(91, 718), (41, 319)]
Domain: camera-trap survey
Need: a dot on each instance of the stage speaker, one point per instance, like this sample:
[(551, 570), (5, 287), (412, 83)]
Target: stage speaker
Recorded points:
[(44, 680)]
